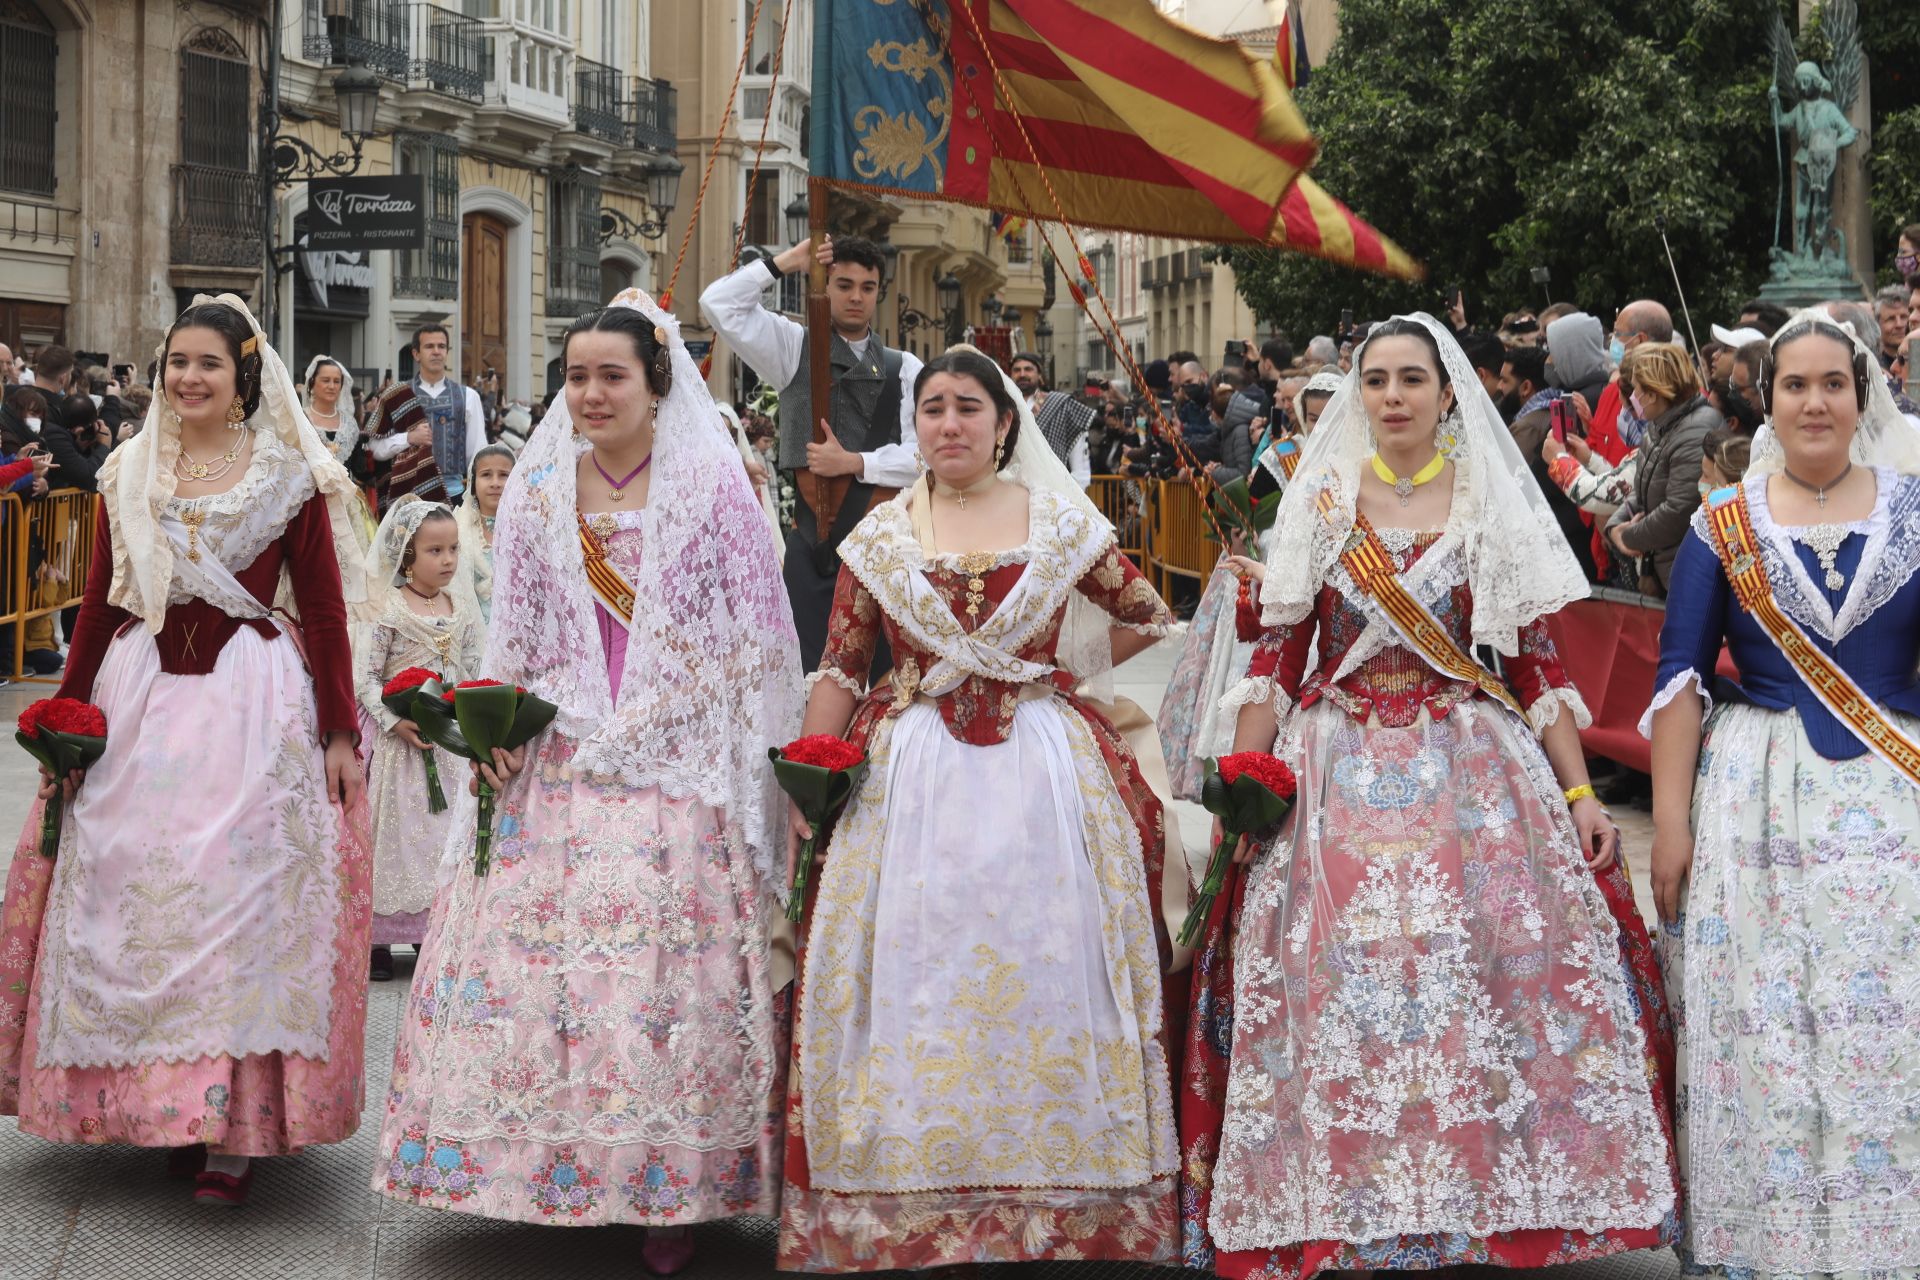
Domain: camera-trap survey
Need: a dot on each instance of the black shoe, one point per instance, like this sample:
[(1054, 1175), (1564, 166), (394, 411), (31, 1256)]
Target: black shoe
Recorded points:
[(381, 970), (44, 662)]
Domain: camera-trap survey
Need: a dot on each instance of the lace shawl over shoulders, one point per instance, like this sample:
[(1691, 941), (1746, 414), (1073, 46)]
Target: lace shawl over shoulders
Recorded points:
[(1887, 562), (236, 526)]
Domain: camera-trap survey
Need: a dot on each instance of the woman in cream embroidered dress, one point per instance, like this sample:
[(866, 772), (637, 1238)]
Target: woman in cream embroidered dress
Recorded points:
[(1439, 1037), (439, 629), (192, 968), (980, 1070), (592, 1035), (1786, 856)]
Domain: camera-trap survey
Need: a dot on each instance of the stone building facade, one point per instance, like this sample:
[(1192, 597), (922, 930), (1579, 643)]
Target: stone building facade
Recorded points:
[(136, 171)]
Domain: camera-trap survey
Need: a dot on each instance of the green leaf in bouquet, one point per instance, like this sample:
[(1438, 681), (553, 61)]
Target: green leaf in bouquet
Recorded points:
[(1235, 501), (434, 714), (486, 716), (1264, 512), (530, 716), (39, 751), (78, 750), (808, 785)]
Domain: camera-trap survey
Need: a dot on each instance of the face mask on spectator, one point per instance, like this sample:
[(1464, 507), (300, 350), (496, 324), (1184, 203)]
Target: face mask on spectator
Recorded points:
[(33, 425), (1198, 392), (1616, 351), (1905, 264), (1639, 410), (1705, 488)]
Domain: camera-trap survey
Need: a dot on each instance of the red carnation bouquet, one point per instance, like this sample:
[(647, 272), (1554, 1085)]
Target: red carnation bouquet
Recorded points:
[(819, 773), (1248, 791), (399, 696), (471, 720), (63, 734)]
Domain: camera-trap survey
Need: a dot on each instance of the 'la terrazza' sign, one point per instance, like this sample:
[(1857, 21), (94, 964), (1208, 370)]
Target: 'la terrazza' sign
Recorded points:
[(386, 211)]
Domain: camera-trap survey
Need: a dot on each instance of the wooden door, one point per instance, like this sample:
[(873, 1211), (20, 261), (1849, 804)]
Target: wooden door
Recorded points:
[(483, 310)]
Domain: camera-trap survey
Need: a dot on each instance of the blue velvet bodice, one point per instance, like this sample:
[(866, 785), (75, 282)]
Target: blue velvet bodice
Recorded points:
[(1874, 638)]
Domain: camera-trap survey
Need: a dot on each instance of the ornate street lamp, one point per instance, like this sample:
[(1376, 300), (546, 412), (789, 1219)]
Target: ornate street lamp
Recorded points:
[(1043, 344), (798, 214), (357, 92)]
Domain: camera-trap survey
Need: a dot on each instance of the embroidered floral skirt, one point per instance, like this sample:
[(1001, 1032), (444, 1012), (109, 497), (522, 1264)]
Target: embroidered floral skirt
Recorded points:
[(1796, 977), (591, 1037), (1423, 1032), (192, 968), (981, 1068), (1190, 716), (408, 840)]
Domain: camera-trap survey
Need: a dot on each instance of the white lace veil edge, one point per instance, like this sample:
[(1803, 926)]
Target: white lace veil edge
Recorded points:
[(346, 383), (1519, 566), (138, 480), (712, 674), (1086, 642), (1884, 438)]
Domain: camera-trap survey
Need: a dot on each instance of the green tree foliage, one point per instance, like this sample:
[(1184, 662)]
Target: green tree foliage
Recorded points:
[(1891, 32), (1492, 136)]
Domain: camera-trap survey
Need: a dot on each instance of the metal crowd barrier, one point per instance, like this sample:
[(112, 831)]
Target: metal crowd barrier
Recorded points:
[(1123, 500), (46, 552), (1179, 546)]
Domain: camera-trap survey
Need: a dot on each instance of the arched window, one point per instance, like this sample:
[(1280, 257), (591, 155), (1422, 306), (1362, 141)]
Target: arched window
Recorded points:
[(27, 51), (216, 186), (216, 101)]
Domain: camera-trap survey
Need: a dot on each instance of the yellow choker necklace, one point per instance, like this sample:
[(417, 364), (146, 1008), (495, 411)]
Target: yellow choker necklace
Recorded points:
[(960, 496), (1405, 485)]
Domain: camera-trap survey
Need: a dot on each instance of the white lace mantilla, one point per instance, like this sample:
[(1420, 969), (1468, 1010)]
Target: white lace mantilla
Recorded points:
[(712, 678), (1518, 565)]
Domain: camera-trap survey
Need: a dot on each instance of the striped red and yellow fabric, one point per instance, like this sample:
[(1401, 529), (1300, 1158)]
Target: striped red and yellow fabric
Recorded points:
[(1103, 113)]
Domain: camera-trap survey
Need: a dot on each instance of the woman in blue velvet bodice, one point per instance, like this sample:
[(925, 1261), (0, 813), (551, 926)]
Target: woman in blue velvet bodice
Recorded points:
[(1786, 861), (1869, 622)]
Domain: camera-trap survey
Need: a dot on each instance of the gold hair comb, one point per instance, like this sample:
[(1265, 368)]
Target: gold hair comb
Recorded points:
[(250, 347)]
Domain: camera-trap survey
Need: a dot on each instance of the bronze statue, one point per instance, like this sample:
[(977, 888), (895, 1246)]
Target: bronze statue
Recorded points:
[(1818, 123)]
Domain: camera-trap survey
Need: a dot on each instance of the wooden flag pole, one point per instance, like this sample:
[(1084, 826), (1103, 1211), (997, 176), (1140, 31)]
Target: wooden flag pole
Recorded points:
[(824, 493)]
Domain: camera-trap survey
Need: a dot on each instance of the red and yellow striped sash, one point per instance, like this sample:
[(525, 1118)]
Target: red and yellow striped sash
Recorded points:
[(1373, 571), (1287, 454), (609, 585), (1739, 551)]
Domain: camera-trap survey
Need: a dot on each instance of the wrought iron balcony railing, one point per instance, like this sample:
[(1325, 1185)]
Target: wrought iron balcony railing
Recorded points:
[(653, 112), (374, 32), (596, 101), (216, 216), (448, 51)]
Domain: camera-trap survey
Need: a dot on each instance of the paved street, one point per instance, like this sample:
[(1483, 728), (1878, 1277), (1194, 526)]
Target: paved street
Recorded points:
[(110, 1212)]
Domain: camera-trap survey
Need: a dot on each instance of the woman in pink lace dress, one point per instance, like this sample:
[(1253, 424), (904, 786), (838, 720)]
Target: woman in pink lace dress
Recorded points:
[(592, 1035), (190, 971)]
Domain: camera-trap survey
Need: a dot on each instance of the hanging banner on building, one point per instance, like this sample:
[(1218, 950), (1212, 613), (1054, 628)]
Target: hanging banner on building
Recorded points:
[(385, 211)]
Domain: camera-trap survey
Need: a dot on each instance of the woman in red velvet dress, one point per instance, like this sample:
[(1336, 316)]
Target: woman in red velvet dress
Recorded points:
[(190, 971), (980, 1068)]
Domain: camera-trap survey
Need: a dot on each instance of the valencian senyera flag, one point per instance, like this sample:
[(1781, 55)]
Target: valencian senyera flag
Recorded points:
[(1101, 113)]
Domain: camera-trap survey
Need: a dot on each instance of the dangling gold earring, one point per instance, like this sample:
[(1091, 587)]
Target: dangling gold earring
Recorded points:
[(236, 414), (1000, 454)]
